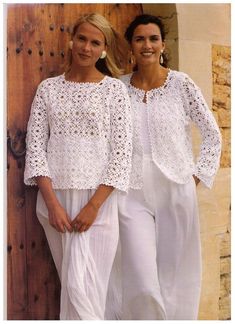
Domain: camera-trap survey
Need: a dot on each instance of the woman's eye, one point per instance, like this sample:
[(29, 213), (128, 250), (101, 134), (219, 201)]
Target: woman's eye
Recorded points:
[(81, 38), (96, 43), (139, 39), (154, 39)]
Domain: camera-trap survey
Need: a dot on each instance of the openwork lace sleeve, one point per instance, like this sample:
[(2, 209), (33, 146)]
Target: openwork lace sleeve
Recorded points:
[(119, 165), (36, 139), (208, 160)]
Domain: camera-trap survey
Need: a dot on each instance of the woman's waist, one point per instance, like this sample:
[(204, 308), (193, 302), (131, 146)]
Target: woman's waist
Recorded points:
[(77, 148)]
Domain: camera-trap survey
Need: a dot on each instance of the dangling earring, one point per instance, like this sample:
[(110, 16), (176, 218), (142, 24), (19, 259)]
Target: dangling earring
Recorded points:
[(161, 57), (71, 44), (131, 60), (103, 55)]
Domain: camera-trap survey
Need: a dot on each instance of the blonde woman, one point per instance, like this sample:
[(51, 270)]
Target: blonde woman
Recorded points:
[(79, 154)]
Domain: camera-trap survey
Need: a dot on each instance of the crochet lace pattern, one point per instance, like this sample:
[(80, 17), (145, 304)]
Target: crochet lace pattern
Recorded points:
[(171, 108), (79, 134)]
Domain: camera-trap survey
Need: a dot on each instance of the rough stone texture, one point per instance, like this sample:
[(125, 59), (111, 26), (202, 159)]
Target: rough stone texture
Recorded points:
[(221, 58), (225, 245), (226, 148), (225, 265), (225, 284), (224, 118), (225, 308)]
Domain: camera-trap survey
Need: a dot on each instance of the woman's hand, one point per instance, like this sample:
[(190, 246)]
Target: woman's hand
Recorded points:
[(85, 218), (59, 219), (88, 214), (196, 179)]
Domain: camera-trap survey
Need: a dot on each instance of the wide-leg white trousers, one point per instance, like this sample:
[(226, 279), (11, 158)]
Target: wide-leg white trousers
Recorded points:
[(160, 249), (83, 261)]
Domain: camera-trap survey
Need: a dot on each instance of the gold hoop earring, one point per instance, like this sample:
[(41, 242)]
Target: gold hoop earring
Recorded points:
[(103, 55)]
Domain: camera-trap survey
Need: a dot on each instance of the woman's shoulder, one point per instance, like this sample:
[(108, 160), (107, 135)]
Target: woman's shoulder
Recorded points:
[(51, 80), (179, 75), (182, 78), (116, 82)]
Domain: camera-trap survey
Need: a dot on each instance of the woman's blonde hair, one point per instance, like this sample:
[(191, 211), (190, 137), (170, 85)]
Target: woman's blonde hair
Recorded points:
[(111, 64)]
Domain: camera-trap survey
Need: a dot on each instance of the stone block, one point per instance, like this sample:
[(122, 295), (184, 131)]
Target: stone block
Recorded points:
[(224, 118), (220, 94), (225, 160), (225, 245), (228, 103), (224, 78), (219, 51), (225, 285), (225, 265), (225, 308)]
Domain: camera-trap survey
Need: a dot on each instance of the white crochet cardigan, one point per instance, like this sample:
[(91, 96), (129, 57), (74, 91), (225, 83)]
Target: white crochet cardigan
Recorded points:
[(171, 108), (79, 134)]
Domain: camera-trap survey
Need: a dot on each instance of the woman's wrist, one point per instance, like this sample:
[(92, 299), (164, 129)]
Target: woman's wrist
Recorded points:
[(52, 203)]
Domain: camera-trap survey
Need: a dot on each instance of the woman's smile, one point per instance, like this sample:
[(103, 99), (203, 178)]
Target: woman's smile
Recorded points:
[(83, 56)]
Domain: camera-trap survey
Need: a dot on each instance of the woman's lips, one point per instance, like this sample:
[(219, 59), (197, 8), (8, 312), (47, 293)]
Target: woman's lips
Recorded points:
[(83, 56), (147, 54)]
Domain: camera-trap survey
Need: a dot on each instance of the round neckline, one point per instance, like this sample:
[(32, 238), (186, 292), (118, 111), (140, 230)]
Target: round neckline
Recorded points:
[(154, 89), (83, 83)]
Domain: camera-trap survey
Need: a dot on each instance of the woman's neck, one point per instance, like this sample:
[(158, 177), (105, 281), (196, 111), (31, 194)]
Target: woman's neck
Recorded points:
[(84, 74), (149, 77)]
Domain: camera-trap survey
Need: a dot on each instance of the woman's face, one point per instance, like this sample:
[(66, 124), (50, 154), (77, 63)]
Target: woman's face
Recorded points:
[(147, 44), (88, 44)]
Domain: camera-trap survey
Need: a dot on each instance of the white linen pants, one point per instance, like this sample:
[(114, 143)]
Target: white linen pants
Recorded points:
[(83, 260), (160, 249)]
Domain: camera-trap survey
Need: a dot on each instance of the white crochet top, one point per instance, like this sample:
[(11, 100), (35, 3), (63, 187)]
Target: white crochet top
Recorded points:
[(79, 134), (171, 108), (144, 129)]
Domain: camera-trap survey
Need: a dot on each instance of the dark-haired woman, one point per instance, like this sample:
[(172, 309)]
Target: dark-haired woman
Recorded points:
[(159, 224), (79, 154)]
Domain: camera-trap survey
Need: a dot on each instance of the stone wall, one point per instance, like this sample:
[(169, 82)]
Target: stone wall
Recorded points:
[(221, 58)]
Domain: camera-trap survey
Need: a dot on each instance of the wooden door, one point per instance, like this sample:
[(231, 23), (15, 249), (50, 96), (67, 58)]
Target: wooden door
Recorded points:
[(37, 45)]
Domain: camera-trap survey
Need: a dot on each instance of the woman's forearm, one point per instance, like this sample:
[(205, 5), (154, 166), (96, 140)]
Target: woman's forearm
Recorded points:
[(101, 194), (58, 217), (45, 187)]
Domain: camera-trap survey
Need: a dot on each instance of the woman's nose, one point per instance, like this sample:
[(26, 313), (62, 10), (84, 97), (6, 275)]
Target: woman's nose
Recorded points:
[(86, 46), (147, 43)]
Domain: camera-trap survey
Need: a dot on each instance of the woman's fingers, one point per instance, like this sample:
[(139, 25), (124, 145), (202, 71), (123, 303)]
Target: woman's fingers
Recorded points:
[(79, 226), (68, 226), (62, 226)]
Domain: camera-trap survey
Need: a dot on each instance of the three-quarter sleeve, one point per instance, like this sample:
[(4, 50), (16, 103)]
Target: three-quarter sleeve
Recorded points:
[(207, 162), (118, 169), (37, 138)]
